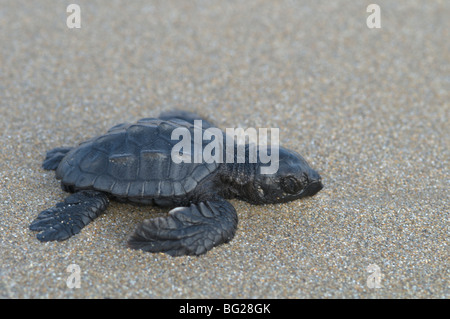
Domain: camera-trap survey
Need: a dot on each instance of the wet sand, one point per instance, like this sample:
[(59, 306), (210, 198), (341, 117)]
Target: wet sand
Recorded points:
[(368, 108)]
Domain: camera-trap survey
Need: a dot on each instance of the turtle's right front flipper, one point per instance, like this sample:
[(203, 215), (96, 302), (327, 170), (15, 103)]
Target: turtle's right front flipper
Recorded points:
[(189, 230), (69, 217)]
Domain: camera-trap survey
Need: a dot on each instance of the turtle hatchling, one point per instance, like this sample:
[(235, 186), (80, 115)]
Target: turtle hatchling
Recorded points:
[(133, 163)]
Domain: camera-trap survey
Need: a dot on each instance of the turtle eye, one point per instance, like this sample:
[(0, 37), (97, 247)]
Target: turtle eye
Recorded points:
[(290, 185)]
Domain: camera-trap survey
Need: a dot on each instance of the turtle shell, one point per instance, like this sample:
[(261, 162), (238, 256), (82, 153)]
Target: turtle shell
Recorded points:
[(134, 161)]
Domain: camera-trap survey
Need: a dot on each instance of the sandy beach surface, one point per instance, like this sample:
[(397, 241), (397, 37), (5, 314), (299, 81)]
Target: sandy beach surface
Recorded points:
[(368, 108)]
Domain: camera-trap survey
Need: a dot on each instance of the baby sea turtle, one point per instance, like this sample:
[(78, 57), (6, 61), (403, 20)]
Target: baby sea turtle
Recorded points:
[(132, 162)]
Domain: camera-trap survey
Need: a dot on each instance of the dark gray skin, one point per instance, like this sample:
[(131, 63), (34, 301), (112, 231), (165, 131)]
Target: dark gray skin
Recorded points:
[(131, 162)]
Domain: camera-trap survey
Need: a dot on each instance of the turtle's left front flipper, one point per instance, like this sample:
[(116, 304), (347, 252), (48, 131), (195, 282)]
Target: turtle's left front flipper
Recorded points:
[(189, 230), (69, 217), (54, 157)]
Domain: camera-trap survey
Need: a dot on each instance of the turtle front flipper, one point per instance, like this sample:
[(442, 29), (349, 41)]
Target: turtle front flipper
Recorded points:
[(189, 230), (69, 217), (54, 157)]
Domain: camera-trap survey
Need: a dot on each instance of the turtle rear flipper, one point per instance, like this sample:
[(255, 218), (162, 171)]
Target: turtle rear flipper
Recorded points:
[(54, 157), (69, 217), (189, 230)]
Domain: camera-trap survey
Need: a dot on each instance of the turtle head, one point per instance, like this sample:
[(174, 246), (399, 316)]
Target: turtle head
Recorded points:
[(293, 179)]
